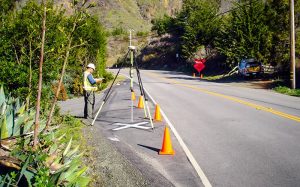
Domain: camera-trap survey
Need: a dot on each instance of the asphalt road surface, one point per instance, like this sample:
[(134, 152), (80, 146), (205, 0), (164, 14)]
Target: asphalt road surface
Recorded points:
[(238, 136)]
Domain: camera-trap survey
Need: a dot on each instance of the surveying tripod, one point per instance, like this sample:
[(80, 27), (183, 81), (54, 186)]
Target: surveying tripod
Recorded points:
[(132, 52)]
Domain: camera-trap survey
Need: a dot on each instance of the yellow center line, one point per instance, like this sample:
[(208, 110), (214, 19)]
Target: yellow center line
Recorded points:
[(258, 107)]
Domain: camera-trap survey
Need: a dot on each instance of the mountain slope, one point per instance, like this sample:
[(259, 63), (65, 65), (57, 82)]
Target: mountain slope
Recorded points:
[(133, 14), (130, 14)]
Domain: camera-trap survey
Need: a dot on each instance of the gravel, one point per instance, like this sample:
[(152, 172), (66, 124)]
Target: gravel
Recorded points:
[(107, 166)]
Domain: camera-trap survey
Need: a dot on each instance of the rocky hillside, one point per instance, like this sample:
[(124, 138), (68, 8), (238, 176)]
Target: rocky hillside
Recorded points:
[(122, 15), (131, 14), (136, 14)]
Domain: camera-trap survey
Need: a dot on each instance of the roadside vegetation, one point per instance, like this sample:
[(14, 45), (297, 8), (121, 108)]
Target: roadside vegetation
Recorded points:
[(287, 91), (57, 159), (43, 51), (251, 29)]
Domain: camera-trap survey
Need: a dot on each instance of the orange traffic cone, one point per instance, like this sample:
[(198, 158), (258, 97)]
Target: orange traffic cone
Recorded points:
[(167, 144), (141, 102), (133, 96), (201, 76), (157, 115)]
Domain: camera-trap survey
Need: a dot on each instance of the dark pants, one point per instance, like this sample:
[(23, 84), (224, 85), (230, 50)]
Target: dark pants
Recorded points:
[(89, 103)]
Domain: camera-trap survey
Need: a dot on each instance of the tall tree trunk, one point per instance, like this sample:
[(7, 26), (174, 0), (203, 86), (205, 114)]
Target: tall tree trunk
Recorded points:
[(62, 73), (38, 102), (30, 77), (59, 85)]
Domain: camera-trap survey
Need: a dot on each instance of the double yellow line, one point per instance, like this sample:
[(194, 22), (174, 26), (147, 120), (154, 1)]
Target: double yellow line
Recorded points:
[(258, 107)]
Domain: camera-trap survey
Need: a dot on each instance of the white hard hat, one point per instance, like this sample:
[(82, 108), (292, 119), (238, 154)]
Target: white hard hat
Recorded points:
[(91, 65)]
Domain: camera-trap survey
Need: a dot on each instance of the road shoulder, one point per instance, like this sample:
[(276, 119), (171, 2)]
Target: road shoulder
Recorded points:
[(108, 164)]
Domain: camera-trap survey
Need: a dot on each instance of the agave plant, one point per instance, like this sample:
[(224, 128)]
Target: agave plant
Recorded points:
[(60, 162), (15, 121), (66, 167)]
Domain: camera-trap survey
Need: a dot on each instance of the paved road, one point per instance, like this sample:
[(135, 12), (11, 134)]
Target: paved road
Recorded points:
[(238, 136)]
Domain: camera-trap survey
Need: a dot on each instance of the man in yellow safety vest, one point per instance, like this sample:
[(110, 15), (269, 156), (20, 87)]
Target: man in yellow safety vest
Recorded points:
[(89, 89)]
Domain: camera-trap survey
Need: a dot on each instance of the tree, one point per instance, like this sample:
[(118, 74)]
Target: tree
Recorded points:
[(277, 12), (77, 16), (196, 25), (85, 32), (245, 33), (38, 102), (20, 44), (164, 25), (200, 24)]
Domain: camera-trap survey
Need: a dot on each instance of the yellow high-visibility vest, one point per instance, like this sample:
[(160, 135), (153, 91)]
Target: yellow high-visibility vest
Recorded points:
[(87, 86)]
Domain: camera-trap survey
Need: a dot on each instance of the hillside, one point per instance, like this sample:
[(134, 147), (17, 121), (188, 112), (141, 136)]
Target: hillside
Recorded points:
[(136, 14), (131, 14)]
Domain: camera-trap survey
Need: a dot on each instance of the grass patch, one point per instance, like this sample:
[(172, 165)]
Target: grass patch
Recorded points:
[(142, 33), (213, 78), (287, 91), (71, 127), (118, 31)]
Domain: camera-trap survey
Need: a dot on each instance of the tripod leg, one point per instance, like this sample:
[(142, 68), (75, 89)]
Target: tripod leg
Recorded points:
[(98, 113), (145, 112), (150, 118), (146, 100), (141, 89), (109, 90)]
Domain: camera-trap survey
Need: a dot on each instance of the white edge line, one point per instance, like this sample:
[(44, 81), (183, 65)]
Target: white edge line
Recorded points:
[(188, 153)]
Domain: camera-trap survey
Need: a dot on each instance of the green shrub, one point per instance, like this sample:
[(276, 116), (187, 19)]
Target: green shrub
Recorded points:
[(141, 33), (288, 91), (118, 31)]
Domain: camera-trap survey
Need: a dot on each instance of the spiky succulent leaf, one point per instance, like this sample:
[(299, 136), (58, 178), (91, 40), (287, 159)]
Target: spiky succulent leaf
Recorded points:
[(29, 176), (72, 168), (3, 108), (2, 96), (19, 125), (53, 148), (61, 137), (4, 130), (67, 148), (73, 177), (21, 109), (72, 152), (10, 123), (28, 126), (24, 167), (17, 104), (83, 181)]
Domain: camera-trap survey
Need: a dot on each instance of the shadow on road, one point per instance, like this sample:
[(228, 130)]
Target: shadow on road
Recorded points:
[(148, 147)]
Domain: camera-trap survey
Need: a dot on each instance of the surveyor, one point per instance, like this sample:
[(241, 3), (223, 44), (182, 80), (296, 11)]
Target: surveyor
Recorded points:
[(89, 88)]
